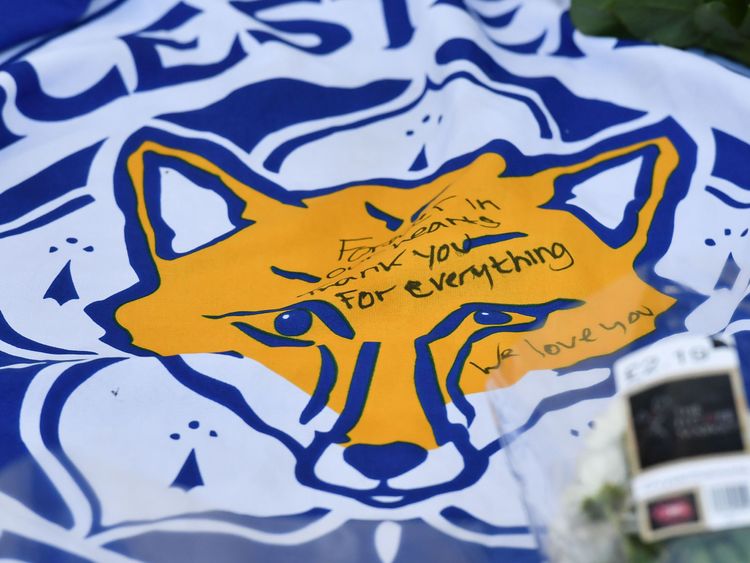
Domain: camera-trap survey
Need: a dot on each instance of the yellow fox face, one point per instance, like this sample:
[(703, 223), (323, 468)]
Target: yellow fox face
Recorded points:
[(385, 303)]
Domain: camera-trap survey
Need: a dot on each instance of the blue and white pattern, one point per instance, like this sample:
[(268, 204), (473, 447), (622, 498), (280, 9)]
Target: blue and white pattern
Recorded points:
[(105, 455)]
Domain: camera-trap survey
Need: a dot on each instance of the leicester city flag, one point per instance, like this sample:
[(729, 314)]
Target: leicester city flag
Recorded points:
[(259, 260)]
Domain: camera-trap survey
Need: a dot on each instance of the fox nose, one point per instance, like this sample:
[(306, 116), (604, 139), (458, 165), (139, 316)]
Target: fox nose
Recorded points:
[(384, 461)]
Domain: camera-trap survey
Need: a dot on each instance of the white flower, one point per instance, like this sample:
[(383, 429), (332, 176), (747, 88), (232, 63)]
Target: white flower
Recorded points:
[(603, 458), (609, 428), (575, 539), (601, 467), (572, 536)]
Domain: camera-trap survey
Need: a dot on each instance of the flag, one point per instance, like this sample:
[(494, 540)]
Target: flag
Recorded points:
[(265, 262)]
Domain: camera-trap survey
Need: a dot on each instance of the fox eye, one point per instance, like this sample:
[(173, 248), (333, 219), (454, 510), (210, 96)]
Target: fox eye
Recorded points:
[(293, 323), (491, 318)]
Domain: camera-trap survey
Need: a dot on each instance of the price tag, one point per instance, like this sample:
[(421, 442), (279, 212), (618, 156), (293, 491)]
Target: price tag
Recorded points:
[(673, 357), (687, 438)]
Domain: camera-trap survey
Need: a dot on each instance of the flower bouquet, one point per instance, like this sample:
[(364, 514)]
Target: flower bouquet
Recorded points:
[(598, 520), (661, 475)]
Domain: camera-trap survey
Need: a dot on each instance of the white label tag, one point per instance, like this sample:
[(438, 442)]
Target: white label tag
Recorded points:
[(687, 436), (672, 357), (721, 488)]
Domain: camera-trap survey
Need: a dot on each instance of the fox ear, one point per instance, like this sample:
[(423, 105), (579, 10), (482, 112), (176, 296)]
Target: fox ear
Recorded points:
[(615, 194), (185, 203)]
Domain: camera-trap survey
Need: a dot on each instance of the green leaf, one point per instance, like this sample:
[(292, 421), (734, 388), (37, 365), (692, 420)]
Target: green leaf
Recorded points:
[(732, 50), (595, 17), (613, 497), (744, 27), (636, 551), (719, 26), (670, 22), (594, 510), (735, 9), (713, 19)]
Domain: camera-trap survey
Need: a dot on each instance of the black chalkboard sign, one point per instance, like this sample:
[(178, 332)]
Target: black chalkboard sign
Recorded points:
[(685, 418)]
